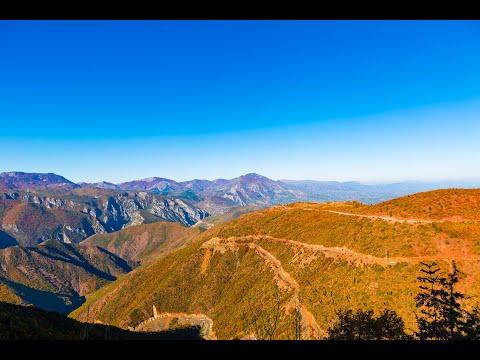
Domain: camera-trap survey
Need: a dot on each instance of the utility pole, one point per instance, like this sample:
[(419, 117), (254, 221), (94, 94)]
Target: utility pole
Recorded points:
[(386, 256)]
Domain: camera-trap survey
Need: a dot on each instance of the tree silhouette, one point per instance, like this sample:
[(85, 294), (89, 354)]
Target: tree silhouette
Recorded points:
[(471, 325), (442, 316), (428, 301), (361, 325)]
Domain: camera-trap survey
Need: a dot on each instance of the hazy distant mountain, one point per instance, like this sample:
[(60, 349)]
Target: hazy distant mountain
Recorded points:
[(370, 194), (342, 191), (100, 185), (221, 195), (160, 185), (217, 205), (200, 185), (24, 181)]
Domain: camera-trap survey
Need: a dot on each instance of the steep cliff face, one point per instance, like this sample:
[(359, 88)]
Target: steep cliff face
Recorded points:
[(30, 218)]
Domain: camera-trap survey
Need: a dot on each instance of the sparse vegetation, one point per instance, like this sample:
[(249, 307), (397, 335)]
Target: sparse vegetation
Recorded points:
[(456, 204), (143, 242)]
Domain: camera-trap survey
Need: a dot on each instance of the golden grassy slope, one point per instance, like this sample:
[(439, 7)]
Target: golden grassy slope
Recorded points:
[(142, 242), (236, 271), (311, 223), (445, 204), (174, 283)]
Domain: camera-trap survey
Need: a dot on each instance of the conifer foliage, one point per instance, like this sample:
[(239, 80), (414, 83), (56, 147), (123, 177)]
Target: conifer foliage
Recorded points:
[(441, 312)]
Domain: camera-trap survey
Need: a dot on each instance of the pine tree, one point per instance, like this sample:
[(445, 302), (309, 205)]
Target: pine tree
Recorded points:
[(471, 325), (442, 315), (453, 313), (429, 303)]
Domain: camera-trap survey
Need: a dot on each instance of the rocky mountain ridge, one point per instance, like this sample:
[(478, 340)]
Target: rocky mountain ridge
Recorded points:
[(28, 218)]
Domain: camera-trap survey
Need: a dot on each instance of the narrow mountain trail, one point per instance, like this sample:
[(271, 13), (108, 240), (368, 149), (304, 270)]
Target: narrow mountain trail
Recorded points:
[(415, 259), (408, 221), (352, 256), (309, 326), (386, 218), (357, 258), (202, 320), (206, 261), (360, 259)]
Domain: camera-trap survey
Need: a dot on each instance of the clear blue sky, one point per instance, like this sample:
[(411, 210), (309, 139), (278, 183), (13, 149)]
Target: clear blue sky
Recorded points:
[(324, 100)]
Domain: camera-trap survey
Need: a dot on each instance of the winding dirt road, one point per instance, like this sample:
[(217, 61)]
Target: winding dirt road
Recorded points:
[(309, 326), (409, 221)]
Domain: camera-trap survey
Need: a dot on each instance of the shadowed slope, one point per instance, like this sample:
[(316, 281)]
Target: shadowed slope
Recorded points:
[(57, 276), (30, 323)]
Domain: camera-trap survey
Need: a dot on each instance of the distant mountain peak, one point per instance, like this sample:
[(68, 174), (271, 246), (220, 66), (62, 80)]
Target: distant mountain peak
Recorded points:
[(152, 179), (254, 176), (101, 185), (21, 180)]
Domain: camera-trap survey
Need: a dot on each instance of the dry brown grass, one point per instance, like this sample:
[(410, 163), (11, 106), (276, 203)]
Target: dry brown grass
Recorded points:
[(306, 242), (143, 242)]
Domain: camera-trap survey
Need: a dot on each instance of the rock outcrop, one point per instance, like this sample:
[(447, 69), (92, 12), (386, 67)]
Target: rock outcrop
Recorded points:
[(30, 218)]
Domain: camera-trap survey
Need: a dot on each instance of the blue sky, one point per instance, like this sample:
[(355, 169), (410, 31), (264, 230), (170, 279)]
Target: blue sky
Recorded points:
[(373, 101)]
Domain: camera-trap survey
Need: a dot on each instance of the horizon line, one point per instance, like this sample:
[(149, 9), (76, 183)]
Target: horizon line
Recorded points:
[(364, 182)]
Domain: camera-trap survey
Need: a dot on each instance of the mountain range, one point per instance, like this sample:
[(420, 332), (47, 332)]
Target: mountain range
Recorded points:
[(249, 189), (217, 196), (267, 260), (37, 207)]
